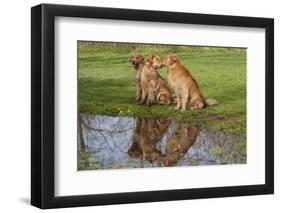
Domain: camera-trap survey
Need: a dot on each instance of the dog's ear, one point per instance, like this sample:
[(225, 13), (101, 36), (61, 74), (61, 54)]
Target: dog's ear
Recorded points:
[(140, 58), (130, 57), (150, 59), (173, 59)]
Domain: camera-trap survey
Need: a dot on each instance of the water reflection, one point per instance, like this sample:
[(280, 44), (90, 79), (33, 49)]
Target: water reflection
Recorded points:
[(179, 143), (148, 132), (124, 142)]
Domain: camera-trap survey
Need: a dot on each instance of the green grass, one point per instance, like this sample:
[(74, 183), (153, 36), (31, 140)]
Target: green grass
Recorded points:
[(107, 86)]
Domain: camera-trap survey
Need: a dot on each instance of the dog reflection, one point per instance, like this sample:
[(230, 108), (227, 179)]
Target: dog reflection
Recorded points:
[(179, 143), (148, 133), (136, 151)]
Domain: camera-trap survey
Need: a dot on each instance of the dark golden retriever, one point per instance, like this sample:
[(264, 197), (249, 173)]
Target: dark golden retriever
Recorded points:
[(185, 86)]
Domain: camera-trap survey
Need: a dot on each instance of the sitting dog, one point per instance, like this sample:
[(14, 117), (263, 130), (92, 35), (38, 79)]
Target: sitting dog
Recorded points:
[(138, 64), (153, 86), (185, 86)]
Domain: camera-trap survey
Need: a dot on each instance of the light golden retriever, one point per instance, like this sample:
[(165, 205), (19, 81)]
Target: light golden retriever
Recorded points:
[(153, 86), (137, 61), (185, 86)]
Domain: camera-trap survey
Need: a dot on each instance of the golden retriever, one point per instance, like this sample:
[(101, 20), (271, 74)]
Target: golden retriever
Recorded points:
[(185, 86), (154, 88), (137, 61)]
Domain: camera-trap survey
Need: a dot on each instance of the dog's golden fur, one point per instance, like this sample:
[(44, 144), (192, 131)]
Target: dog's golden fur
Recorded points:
[(137, 61), (185, 86), (153, 86), (164, 95)]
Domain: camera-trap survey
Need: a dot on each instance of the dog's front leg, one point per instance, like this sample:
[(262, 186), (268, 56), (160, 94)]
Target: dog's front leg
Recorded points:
[(185, 100), (143, 95), (149, 98), (138, 91), (179, 99)]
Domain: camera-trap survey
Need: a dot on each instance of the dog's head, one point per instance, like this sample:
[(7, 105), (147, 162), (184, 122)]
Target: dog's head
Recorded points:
[(136, 59), (155, 61), (170, 60)]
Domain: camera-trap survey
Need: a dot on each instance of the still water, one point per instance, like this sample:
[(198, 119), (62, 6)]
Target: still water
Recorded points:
[(106, 142)]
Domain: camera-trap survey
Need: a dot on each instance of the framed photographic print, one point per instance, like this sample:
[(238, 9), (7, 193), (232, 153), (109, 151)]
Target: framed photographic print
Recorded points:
[(139, 106)]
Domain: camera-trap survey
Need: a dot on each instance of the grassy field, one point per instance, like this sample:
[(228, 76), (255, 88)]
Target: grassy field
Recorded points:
[(107, 85)]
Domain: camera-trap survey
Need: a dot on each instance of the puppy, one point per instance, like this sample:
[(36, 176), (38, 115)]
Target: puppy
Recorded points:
[(185, 86), (137, 61), (154, 88)]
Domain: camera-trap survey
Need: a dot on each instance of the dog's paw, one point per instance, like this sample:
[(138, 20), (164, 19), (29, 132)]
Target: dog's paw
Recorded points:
[(138, 99), (140, 102)]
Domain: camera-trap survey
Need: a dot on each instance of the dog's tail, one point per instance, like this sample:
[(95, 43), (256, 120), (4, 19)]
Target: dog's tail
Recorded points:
[(211, 102)]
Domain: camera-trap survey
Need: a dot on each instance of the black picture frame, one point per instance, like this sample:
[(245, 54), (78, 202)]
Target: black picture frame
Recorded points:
[(43, 102)]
